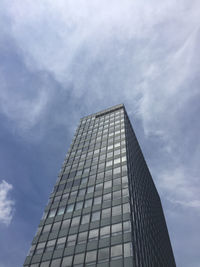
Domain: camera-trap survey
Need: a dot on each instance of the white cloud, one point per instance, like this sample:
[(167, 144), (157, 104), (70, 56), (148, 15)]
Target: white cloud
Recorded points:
[(6, 204), (143, 54), (180, 187)]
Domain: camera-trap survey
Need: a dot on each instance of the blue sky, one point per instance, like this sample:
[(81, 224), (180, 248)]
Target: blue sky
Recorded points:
[(62, 60)]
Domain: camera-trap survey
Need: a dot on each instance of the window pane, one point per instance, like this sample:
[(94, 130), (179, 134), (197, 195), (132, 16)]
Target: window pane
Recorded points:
[(70, 208), (96, 216), (88, 203), (106, 213), (94, 234), (90, 189), (71, 240), (116, 251), (75, 221), (79, 205), (65, 224), (85, 219), (116, 210), (107, 197), (91, 256), (46, 228), (126, 208), (56, 226), (56, 263), (67, 261), (105, 231), (79, 258), (61, 211), (97, 200), (45, 264), (127, 226), (117, 194), (116, 228), (103, 254), (127, 249), (52, 213), (107, 184), (82, 236), (117, 170)]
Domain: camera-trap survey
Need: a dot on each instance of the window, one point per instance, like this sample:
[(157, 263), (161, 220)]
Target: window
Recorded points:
[(99, 186), (116, 251), (116, 210), (117, 152), (103, 254), (96, 216), (109, 163), (85, 219), (71, 240), (45, 264), (52, 213), (65, 224), (127, 226), (90, 189), (107, 197), (107, 184), (73, 193), (88, 203), (117, 170), (46, 228), (67, 261), (82, 237), (105, 231), (128, 249), (56, 263), (93, 234), (117, 194), (65, 196), (70, 208), (56, 226), (126, 208), (50, 245), (84, 180), (125, 192), (123, 158), (75, 221), (82, 192), (116, 161), (91, 256), (125, 179), (79, 258), (40, 248), (79, 205), (116, 228), (61, 211), (106, 213), (97, 200), (117, 181), (61, 242)]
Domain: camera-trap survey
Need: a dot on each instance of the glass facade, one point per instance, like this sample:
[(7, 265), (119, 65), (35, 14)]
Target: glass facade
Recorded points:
[(104, 209)]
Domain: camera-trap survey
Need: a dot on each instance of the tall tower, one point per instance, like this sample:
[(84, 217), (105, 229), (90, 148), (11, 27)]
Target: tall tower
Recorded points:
[(104, 210)]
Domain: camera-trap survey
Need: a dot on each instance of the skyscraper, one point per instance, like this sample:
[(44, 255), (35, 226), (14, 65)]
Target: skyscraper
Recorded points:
[(104, 210)]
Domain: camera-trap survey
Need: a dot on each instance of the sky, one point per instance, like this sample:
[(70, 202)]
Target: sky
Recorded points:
[(62, 60)]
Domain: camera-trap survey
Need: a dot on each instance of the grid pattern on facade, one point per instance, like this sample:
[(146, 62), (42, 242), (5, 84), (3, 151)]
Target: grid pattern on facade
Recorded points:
[(104, 210), (87, 220)]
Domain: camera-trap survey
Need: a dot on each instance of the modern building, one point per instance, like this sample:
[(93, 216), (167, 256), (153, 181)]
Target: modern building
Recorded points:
[(104, 210)]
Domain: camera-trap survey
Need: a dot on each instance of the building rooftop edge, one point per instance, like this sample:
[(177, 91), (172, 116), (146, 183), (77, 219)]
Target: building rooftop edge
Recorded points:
[(104, 111)]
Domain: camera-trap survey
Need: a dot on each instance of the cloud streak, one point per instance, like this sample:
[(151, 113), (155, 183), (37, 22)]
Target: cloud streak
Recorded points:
[(6, 204)]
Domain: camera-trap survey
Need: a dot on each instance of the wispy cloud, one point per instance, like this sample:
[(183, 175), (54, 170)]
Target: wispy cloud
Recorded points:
[(143, 54), (6, 204)]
